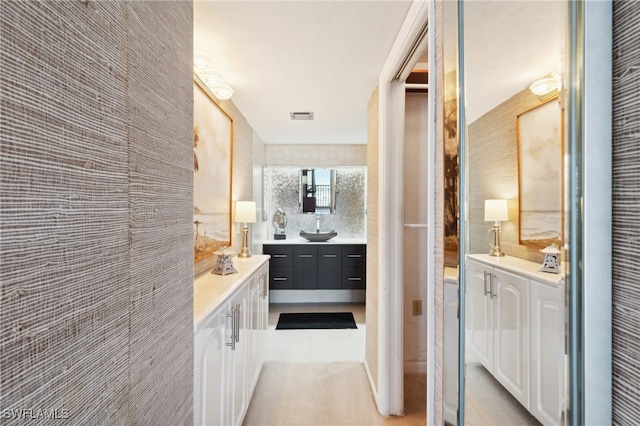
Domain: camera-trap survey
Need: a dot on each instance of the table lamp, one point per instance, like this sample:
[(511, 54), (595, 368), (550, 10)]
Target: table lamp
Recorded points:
[(495, 211), (245, 213)]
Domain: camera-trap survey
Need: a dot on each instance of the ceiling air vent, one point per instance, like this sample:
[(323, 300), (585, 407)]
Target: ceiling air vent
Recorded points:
[(301, 115)]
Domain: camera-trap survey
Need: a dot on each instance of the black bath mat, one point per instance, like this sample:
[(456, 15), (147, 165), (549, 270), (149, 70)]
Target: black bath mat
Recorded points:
[(316, 320)]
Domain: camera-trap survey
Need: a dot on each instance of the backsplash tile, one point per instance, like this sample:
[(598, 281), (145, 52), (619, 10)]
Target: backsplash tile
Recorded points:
[(281, 190)]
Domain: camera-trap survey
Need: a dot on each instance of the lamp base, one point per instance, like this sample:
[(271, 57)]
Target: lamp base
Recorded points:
[(244, 252), (496, 250)]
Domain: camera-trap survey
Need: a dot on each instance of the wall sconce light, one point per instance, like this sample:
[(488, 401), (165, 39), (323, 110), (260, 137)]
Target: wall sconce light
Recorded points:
[(495, 211), (546, 85), (210, 78), (245, 213)]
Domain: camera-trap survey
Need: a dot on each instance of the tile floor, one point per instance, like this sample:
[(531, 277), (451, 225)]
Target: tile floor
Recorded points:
[(298, 346)]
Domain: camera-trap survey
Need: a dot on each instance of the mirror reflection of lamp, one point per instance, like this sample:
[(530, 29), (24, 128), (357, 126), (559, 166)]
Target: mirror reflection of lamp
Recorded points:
[(245, 213), (495, 211)]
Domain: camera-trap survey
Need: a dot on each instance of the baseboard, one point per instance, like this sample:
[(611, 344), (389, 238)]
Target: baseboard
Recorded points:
[(317, 296), (415, 367), (372, 385)]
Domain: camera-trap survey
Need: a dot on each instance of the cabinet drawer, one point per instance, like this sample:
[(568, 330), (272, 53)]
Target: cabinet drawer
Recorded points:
[(354, 255), (280, 278), (281, 255), (354, 278)]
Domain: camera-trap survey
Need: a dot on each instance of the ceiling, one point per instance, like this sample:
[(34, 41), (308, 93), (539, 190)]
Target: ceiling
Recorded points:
[(508, 46), (325, 57), (297, 56)]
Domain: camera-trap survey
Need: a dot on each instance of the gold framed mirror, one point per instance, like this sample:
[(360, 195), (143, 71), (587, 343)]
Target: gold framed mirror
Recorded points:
[(540, 143)]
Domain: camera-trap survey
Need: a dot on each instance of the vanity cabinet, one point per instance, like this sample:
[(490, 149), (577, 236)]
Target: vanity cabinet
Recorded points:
[(547, 350), (354, 267), (280, 266), (499, 329), (515, 329), (321, 266), (229, 342)]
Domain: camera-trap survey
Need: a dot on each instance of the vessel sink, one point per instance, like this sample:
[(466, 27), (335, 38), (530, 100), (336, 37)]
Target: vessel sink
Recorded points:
[(320, 236)]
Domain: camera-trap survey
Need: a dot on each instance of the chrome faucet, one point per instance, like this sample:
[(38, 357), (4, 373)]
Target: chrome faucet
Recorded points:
[(317, 224)]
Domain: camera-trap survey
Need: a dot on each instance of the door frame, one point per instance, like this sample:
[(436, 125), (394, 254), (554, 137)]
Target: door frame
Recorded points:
[(390, 207)]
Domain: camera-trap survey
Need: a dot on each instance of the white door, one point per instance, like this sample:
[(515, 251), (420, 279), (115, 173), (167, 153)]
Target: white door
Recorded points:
[(547, 353), (511, 334), (480, 313)]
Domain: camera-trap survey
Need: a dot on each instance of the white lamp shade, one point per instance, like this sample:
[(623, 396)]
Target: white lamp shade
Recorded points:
[(245, 211), (495, 210)]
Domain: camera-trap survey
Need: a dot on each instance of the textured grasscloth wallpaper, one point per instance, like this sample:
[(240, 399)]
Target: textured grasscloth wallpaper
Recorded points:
[(626, 211), (96, 215)]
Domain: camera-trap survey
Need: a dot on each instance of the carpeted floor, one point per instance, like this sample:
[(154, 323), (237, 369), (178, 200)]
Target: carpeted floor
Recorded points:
[(323, 394), (488, 403)]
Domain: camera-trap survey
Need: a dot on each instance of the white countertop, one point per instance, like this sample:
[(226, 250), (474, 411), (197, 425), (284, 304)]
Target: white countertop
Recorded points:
[(518, 266), (211, 290), (335, 240)]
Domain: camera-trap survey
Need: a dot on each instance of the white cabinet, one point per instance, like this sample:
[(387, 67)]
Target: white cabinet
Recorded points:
[(258, 323), (515, 330), (499, 325), (212, 368), (511, 333), (229, 342), (451, 349), (480, 313), (547, 354)]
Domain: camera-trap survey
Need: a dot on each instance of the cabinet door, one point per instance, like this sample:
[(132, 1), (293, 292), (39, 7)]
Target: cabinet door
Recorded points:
[(511, 334), (354, 255), (239, 389), (212, 368), (281, 254), (329, 267), (547, 352), (264, 311), (480, 313), (450, 352), (253, 331), (354, 278), (305, 269), (281, 278)]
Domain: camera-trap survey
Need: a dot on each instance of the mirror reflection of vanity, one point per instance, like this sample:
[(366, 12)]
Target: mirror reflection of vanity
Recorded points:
[(511, 143), (317, 191)]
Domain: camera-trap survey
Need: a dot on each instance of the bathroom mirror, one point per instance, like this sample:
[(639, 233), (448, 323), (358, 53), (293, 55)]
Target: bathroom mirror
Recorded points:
[(317, 191), (510, 148)]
